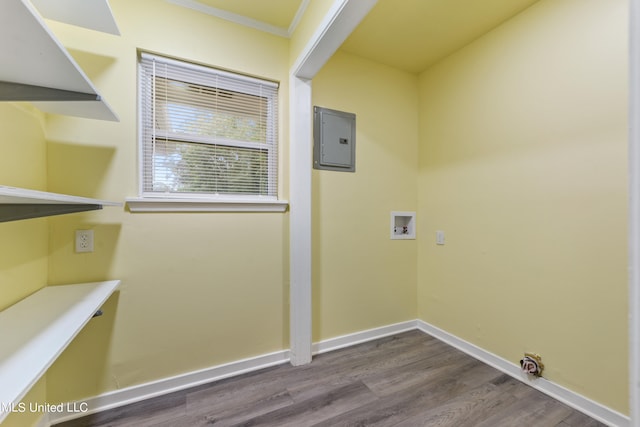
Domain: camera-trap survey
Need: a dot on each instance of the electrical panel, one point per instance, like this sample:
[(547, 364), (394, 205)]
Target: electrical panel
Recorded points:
[(334, 140)]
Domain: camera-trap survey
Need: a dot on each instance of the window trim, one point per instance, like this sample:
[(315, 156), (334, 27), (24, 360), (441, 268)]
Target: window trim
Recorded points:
[(201, 202), (206, 204)]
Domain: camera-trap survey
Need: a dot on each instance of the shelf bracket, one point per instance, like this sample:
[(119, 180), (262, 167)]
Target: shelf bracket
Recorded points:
[(17, 211), (10, 91)]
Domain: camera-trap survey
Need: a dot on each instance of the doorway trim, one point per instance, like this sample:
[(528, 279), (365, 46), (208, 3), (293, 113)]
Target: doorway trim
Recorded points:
[(634, 212), (343, 17)]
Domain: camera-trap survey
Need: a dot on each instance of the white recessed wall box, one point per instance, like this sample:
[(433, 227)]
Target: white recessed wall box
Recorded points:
[(334, 140), (403, 225)]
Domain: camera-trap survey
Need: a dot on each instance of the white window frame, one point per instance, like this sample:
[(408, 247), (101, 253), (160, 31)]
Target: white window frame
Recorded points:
[(204, 202)]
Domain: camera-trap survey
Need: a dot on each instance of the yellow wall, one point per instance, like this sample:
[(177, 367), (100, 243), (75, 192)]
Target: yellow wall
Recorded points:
[(361, 278), (515, 146), (523, 165), (24, 244), (198, 289), (23, 247)]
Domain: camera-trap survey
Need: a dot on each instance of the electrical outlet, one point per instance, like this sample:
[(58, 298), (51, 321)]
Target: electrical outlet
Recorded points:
[(84, 241)]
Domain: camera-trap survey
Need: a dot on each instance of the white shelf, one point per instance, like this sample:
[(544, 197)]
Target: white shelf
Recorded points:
[(36, 330), (20, 203), (22, 195), (92, 14), (36, 67)]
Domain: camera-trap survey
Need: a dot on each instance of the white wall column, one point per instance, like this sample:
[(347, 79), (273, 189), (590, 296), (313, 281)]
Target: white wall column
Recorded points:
[(300, 218), (343, 17)]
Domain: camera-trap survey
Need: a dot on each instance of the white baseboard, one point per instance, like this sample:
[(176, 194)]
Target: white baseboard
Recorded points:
[(117, 398), (362, 336), (141, 392), (566, 396), (44, 421)]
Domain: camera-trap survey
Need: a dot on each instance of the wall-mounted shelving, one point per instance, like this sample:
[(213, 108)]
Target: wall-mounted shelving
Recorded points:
[(92, 14), (37, 68), (36, 330), (19, 203)]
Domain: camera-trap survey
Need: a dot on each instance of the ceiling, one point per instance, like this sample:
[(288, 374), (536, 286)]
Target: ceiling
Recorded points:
[(279, 13), (414, 34), (407, 34)]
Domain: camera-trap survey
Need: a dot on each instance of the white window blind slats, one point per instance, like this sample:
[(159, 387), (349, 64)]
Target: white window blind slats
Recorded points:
[(205, 131), (205, 72), (208, 168)]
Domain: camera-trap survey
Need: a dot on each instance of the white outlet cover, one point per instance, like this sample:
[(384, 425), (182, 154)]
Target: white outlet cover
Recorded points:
[(84, 241)]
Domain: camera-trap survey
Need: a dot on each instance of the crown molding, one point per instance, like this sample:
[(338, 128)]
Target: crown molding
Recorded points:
[(298, 16), (243, 20)]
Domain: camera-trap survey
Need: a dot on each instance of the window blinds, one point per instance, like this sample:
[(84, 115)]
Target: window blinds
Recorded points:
[(206, 131)]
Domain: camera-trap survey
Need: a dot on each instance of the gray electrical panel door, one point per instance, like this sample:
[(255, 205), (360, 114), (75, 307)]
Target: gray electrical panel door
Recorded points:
[(334, 140)]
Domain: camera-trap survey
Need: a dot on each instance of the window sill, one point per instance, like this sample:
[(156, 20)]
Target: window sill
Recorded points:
[(138, 204)]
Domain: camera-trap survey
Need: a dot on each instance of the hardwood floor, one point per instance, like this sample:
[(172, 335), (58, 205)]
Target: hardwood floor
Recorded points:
[(406, 380)]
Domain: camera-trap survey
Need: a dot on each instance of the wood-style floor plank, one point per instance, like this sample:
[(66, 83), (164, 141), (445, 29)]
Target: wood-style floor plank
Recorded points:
[(406, 380)]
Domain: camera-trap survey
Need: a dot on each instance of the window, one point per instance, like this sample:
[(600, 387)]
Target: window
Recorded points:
[(206, 132)]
